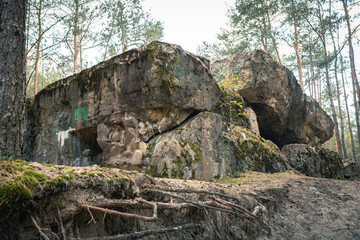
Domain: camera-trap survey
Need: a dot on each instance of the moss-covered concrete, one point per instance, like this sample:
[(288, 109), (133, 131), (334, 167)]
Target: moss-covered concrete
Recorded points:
[(332, 166), (255, 154)]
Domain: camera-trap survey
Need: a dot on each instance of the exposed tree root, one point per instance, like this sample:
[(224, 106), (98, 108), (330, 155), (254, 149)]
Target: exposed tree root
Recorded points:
[(61, 225), (41, 230), (138, 205), (200, 205), (186, 190), (126, 215), (137, 235), (216, 202)]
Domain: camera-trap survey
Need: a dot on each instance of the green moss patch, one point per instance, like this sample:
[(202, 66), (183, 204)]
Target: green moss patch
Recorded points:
[(21, 181), (229, 180)]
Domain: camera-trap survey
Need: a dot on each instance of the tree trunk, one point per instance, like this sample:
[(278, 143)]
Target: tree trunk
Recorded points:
[(108, 40), (81, 60), (319, 90), (75, 35), (336, 142), (328, 85), (312, 71), (27, 36), (123, 39), (12, 76), (337, 86), (357, 120), (353, 71), (37, 49), (298, 58), (347, 108), (273, 39)]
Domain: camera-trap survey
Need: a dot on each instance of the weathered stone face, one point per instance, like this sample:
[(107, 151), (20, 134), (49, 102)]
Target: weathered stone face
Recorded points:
[(351, 169), (116, 105), (207, 148), (314, 162), (283, 113)]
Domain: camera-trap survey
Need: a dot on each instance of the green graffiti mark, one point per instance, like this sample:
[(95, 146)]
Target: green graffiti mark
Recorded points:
[(81, 113)]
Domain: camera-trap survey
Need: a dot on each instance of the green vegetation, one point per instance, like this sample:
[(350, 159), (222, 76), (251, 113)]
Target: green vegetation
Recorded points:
[(39, 176), (47, 165), (231, 108), (19, 181), (229, 180)]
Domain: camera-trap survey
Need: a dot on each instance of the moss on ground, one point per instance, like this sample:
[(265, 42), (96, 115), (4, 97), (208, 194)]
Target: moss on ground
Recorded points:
[(229, 180), (21, 181)]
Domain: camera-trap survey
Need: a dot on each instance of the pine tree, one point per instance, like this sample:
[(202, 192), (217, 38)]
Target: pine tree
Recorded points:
[(12, 76)]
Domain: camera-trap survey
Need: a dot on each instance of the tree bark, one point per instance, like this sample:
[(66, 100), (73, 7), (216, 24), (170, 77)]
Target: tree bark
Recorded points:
[(353, 71), (38, 49), (12, 76), (27, 36)]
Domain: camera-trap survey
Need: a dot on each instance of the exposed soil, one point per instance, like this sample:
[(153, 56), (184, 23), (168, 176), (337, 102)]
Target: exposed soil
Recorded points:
[(298, 207)]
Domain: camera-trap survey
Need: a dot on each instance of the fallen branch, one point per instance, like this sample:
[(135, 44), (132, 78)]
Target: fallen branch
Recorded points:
[(122, 214), (137, 235)]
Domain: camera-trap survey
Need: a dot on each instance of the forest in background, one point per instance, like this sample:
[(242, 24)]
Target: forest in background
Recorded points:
[(63, 35), (315, 39)]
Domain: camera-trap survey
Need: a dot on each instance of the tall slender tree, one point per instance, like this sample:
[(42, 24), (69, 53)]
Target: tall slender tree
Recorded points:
[(12, 76), (347, 107), (353, 69), (332, 19), (321, 31)]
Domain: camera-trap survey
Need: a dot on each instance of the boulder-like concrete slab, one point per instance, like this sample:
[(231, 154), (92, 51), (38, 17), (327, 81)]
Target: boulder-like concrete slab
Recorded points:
[(284, 114), (117, 105)]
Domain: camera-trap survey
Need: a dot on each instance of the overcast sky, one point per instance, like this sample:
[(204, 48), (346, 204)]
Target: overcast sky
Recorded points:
[(190, 22)]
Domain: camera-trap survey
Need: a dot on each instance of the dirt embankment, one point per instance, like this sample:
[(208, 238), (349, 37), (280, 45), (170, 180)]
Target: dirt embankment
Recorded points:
[(94, 202)]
